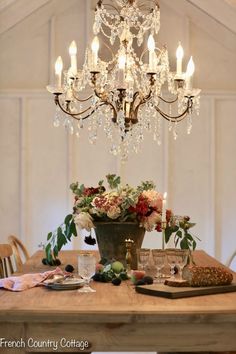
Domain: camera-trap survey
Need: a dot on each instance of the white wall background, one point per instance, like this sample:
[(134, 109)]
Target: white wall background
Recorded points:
[(38, 161)]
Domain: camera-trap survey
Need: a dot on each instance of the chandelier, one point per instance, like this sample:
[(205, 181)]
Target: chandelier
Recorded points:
[(132, 91)]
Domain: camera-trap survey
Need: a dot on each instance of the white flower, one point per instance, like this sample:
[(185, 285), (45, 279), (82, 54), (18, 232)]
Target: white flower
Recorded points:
[(113, 212), (84, 221)]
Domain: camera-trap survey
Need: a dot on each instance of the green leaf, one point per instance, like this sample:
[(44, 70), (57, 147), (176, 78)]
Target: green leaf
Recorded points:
[(168, 233), (179, 233), (68, 219), (189, 237), (55, 251), (113, 180), (73, 228), (176, 241), (48, 252), (191, 224), (184, 244), (74, 187), (59, 231), (175, 228), (49, 236), (61, 241), (194, 244)]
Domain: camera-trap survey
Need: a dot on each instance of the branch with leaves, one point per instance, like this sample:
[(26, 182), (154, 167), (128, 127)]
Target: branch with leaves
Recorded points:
[(58, 238), (180, 228)]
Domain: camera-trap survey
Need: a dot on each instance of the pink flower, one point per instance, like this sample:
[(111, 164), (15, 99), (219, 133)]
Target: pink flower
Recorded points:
[(154, 199), (149, 222)]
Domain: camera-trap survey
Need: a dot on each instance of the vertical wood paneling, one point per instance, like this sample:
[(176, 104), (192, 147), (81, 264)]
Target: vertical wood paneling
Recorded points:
[(225, 177), (38, 161), (190, 182), (9, 167), (45, 171)]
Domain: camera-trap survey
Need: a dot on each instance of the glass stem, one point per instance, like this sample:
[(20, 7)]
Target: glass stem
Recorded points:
[(172, 271)]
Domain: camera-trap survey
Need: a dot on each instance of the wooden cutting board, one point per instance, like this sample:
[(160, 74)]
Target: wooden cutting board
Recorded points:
[(175, 293)]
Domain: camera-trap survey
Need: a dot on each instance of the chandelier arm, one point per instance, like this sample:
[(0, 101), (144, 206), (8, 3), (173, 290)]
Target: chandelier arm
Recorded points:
[(142, 102), (112, 6), (80, 99), (106, 102), (171, 101), (155, 2), (99, 95), (74, 115), (180, 116)]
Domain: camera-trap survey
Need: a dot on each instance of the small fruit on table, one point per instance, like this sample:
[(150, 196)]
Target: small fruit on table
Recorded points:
[(69, 268), (116, 281), (99, 267), (137, 275), (117, 267)]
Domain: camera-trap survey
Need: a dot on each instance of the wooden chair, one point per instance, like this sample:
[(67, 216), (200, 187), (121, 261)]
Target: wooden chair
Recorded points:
[(20, 252), (6, 268)]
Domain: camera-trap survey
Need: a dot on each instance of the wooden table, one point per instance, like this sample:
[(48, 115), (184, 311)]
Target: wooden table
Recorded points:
[(117, 318)]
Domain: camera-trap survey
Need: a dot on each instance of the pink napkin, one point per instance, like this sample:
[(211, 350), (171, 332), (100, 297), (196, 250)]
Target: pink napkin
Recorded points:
[(27, 281)]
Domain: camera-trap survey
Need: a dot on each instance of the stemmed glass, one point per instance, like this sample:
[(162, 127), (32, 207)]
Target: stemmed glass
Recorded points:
[(86, 265), (158, 256), (143, 255), (171, 259), (181, 260)]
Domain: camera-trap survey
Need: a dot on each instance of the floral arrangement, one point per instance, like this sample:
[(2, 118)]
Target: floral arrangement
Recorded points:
[(142, 205)]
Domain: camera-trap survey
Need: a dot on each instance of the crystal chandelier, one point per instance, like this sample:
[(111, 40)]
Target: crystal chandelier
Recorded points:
[(130, 93)]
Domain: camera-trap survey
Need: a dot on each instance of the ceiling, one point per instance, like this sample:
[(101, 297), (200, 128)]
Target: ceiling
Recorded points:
[(222, 11)]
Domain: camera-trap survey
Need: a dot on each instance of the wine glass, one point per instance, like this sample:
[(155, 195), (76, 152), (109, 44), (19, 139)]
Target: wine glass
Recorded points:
[(171, 259), (181, 260), (158, 256), (143, 255), (86, 265)]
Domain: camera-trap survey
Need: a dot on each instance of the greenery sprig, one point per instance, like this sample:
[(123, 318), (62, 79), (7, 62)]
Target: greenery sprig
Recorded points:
[(180, 228), (58, 238)]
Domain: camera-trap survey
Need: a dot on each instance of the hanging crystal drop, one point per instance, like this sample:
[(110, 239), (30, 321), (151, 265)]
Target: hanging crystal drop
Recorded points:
[(77, 133), (159, 130), (113, 37), (56, 119), (175, 134), (81, 123), (93, 138), (114, 150), (71, 129), (189, 124)]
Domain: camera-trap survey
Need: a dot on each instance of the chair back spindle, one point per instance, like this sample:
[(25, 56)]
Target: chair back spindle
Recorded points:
[(20, 252), (6, 267)]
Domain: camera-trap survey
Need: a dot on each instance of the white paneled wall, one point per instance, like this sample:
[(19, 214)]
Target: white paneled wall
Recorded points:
[(38, 161)]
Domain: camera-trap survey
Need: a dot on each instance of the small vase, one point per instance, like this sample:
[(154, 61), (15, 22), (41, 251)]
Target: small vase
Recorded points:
[(111, 238)]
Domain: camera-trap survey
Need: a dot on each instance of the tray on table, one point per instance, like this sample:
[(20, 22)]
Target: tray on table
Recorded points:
[(179, 292)]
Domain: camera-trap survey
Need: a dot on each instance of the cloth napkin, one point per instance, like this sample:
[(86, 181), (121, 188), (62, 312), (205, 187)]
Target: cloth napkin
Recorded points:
[(27, 281)]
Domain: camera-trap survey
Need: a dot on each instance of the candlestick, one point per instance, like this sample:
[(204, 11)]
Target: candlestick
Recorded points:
[(163, 217), (163, 227), (152, 55), (95, 48), (128, 257), (179, 56), (73, 59), (121, 70), (58, 70), (189, 73)]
